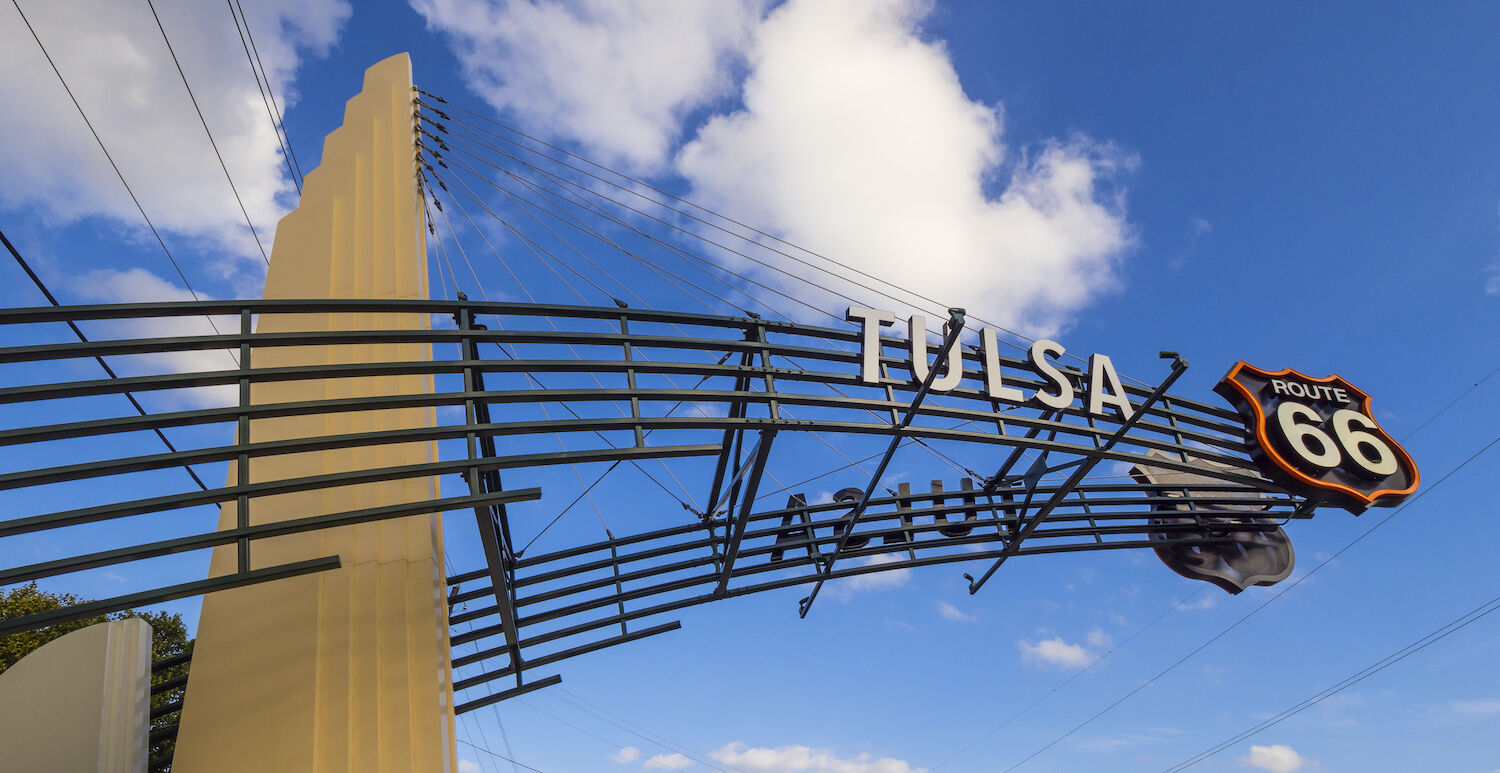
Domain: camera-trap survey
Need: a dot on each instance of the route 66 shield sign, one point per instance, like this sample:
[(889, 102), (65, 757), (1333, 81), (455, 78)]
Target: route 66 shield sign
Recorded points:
[(1316, 437)]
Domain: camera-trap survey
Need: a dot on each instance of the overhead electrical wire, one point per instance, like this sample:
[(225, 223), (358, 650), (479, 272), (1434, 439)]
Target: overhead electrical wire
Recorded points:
[(286, 155), (1441, 632), (115, 167), (1282, 592), (271, 92), (210, 134)]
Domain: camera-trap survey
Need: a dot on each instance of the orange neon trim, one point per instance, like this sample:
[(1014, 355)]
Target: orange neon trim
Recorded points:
[(1287, 467)]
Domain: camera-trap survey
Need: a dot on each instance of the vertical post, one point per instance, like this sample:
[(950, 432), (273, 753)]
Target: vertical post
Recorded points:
[(242, 439), (765, 365), (635, 402)]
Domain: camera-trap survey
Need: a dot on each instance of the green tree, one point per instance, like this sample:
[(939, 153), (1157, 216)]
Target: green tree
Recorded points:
[(169, 639)]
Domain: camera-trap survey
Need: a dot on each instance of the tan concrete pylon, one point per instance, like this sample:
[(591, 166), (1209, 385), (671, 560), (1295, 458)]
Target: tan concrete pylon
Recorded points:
[(345, 670)]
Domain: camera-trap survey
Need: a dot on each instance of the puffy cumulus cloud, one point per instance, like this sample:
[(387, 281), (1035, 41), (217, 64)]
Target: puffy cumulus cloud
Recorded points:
[(618, 77), (1277, 759), (844, 588), (804, 759), (468, 766), (673, 761), (856, 139), (118, 67), (141, 286), (1056, 652), (625, 755)]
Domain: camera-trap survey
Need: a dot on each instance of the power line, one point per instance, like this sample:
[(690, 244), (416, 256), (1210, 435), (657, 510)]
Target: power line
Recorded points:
[(270, 91), (285, 155), (1070, 679), (1442, 632), (72, 325), (1263, 605), (210, 134), (107, 156)]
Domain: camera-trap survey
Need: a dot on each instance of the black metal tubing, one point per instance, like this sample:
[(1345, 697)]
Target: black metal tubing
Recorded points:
[(261, 531), (12, 625), (479, 703), (332, 480), (545, 660), (548, 595)]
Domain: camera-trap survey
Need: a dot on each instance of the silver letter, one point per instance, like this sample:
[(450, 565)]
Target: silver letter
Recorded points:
[(1038, 355), (917, 330), (869, 344), (1102, 374), (993, 379)]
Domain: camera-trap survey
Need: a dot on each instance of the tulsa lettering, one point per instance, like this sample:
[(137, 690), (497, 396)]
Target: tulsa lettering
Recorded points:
[(1103, 387)]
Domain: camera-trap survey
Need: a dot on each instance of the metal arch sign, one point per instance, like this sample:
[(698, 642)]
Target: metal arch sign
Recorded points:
[(1317, 437)]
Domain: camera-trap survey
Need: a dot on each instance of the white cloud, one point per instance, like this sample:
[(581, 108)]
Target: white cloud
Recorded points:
[(1492, 279), (853, 137), (804, 759), (1099, 638), (141, 286), (857, 140), (1478, 708), (950, 612), (845, 587), (627, 754), (468, 766), (118, 67), (1056, 652), (673, 761), (1277, 759), (1205, 601), (618, 77)]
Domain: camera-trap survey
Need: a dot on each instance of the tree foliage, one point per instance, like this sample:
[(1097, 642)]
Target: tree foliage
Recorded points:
[(169, 638)]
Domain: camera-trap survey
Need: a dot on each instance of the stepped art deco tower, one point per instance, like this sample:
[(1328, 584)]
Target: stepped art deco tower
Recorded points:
[(343, 670)]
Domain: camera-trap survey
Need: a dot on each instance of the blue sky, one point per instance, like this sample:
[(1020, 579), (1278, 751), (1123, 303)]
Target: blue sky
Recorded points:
[(1308, 187)]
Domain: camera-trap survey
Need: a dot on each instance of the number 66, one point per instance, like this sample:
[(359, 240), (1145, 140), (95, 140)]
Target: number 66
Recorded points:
[(1314, 446)]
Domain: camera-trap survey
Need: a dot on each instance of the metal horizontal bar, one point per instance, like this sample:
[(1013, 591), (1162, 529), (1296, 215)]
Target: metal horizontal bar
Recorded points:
[(981, 535), (197, 588), (259, 531), (325, 442), (163, 710), (845, 571), (172, 662), (169, 685), (464, 684), (479, 703), (161, 734), (333, 480)]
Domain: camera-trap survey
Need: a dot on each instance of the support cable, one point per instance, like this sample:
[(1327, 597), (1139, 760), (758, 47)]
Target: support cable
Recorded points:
[(634, 192), (534, 248), (508, 195), (215, 145), (535, 380)]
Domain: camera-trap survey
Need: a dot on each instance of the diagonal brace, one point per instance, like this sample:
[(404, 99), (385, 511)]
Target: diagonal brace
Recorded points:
[(1179, 366), (752, 484), (955, 326)]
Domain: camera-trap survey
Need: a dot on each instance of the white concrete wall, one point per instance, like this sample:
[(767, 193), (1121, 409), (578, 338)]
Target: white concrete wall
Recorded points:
[(80, 703)]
